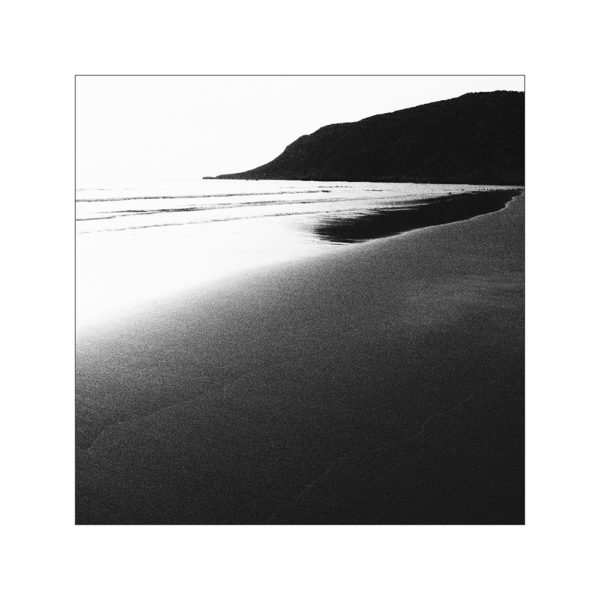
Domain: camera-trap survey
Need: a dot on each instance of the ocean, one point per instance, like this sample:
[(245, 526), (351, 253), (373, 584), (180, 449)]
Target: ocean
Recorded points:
[(141, 242)]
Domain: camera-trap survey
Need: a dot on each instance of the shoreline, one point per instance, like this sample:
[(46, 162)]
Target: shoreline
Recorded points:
[(438, 210), (333, 390), (332, 234)]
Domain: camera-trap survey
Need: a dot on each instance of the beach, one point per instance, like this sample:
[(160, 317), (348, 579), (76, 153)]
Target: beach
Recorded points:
[(379, 384)]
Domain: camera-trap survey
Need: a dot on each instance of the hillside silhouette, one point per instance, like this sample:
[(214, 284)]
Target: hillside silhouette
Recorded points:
[(476, 138)]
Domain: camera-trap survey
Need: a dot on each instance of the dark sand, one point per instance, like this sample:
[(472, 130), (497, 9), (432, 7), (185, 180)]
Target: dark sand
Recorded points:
[(381, 384)]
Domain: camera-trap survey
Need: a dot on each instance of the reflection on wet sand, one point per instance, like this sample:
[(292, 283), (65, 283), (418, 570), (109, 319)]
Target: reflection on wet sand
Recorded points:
[(384, 222)]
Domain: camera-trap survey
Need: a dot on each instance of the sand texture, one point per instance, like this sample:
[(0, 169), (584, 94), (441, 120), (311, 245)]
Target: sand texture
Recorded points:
[(381, 384)]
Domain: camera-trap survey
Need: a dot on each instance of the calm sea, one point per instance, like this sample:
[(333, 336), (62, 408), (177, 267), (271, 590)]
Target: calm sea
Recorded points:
[(138, 242)]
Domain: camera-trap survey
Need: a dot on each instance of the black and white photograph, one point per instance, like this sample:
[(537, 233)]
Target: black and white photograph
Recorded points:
[(300, 300)]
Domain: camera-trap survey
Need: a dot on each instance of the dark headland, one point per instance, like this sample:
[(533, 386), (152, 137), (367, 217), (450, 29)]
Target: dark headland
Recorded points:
[(476, 138)]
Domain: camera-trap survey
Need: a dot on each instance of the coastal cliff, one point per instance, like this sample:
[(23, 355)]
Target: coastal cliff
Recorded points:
[(476, 138)]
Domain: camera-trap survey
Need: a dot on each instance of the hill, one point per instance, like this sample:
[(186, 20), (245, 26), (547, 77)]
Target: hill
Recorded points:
[(476, 138)]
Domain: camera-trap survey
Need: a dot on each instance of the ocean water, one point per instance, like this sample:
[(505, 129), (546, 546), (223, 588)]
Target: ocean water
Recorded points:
[(140, 242)]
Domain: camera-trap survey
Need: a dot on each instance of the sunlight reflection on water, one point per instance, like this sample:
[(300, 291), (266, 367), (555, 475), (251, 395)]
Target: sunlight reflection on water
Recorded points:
[(137, 244)]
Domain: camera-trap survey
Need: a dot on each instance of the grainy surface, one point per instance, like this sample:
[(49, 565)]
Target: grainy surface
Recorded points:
[(383, 384)]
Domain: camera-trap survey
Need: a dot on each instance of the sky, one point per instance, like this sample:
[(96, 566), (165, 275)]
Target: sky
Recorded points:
[(143, 128)]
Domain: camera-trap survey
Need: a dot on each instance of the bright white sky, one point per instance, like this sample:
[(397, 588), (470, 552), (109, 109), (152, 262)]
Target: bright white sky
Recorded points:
[(170, 127)]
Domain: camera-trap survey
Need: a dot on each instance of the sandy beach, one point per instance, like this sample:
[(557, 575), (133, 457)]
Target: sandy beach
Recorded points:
[(381, 384)]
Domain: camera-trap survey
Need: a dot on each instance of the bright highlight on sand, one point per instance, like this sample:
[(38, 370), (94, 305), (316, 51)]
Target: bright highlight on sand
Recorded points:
[(134, 251)]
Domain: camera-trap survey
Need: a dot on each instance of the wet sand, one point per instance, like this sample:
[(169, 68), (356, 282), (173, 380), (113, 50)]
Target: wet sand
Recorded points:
[(382, 384)]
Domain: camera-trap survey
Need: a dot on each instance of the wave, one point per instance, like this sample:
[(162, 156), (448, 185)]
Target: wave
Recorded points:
[(191, 196), (406, 202), (220, 220)]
